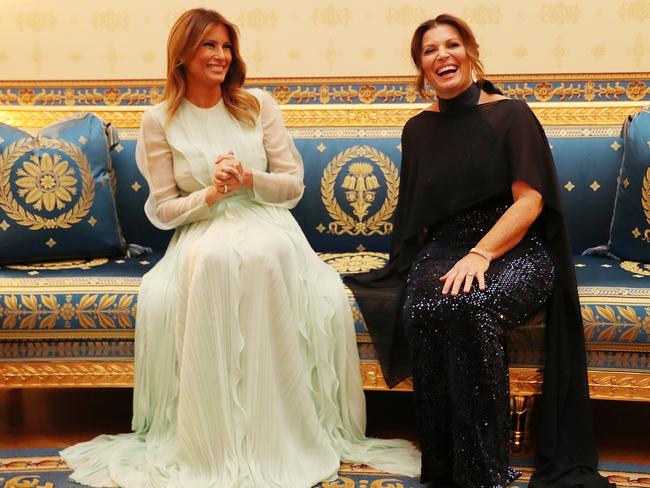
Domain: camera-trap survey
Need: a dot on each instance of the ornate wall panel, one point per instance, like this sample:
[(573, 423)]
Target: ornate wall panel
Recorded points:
[(78, 39)]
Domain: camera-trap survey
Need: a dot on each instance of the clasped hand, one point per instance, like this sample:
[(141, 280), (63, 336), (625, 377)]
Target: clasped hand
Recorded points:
[(229, 176), (463, 274)]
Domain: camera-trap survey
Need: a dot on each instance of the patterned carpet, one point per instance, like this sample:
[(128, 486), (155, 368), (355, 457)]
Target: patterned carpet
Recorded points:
[(42, 468)]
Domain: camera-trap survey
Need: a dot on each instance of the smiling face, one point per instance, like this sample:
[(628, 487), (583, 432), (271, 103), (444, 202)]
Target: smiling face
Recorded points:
[(445, 62), (209, 65)]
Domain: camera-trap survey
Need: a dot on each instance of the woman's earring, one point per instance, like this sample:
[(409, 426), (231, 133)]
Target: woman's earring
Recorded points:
[(429, 89)]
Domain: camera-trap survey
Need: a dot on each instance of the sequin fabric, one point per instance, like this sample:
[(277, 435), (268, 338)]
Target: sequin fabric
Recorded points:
[(460, 371)]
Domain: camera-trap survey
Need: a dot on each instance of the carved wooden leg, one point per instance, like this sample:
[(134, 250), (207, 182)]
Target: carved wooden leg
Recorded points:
[(520, 408)]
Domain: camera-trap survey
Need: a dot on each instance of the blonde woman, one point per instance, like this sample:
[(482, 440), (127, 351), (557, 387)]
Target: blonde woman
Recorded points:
[(247, 372)]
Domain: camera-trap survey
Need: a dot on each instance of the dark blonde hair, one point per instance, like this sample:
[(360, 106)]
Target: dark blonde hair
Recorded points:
[(184, 39), (469, 41)]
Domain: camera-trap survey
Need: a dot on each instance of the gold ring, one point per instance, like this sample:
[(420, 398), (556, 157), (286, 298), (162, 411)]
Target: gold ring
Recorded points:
[(470, 274), (225, 188)]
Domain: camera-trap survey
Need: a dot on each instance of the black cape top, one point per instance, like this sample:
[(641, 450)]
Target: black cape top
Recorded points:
[(457, 159)]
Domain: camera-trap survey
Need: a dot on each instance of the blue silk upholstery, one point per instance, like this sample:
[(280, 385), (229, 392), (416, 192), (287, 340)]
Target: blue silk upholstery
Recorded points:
[(82, 308), (587, 169), (56, 199), (630, 229), (131, 193)]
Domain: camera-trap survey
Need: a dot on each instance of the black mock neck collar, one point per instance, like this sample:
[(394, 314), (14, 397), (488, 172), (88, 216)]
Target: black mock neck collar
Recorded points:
[(466, 99)]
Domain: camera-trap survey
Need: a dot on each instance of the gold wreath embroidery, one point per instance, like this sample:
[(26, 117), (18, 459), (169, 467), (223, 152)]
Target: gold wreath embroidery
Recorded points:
[(47, 169), (637, 268), (645, 201), (355, 262), (69, 264), (360, 185)]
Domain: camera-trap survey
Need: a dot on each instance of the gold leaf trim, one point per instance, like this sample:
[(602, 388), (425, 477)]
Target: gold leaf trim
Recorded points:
[(523, 381), (79, 334), (352, 115), (372, 378), (66, 374)]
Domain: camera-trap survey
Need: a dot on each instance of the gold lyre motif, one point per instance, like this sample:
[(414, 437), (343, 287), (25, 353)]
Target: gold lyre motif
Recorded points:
[(360, 184)]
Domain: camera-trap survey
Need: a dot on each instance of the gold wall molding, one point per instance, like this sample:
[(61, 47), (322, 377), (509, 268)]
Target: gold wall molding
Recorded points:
[(353, 115), (605, 385)]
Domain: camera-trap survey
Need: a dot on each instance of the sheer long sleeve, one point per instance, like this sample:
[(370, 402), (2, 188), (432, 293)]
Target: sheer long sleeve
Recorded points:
[(283, 184), (166, 207)]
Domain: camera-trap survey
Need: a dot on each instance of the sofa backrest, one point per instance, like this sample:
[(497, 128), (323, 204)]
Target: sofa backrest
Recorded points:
[(351, 179), (131, 193), (588, 162)]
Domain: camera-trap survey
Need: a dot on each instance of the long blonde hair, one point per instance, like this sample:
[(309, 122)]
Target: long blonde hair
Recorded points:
[(469, 41), (184, 39)]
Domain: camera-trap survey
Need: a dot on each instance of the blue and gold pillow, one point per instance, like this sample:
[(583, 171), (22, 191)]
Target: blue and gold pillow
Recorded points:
[(629, 237), (56, 199)]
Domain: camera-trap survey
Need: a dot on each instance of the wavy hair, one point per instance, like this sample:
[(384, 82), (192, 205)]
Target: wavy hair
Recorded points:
[(184, 39), (469, 41)]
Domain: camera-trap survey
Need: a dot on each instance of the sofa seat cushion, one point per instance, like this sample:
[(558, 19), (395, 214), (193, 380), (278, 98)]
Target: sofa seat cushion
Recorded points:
[(615, 304), (80, 309), (614, 301), (85, 309)]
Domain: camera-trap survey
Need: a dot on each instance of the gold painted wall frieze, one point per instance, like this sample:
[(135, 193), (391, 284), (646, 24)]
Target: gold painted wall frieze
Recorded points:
[(561, 87)]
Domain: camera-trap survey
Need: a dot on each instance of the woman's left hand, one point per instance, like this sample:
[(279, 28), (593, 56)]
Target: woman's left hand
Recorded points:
[(463, 274)]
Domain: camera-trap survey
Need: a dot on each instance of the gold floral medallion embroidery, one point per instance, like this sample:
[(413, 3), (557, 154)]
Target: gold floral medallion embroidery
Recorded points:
[(360, 184), (46, 182)]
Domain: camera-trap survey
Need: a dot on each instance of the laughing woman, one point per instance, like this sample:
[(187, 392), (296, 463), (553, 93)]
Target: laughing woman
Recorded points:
[(247, 372), (480, 242)]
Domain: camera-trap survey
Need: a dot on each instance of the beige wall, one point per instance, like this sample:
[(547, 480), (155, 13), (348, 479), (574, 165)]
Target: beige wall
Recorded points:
[(92, 39)]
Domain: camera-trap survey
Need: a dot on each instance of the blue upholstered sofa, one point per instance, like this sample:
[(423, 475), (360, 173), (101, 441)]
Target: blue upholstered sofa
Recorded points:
[(71, 323)]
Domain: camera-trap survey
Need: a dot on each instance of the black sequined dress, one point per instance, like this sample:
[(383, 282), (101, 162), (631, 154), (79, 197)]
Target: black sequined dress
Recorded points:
[(460, 372), (457, 171)]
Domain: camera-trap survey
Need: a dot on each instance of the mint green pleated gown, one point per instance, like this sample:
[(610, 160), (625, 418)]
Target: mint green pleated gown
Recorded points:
[(247, 372)]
